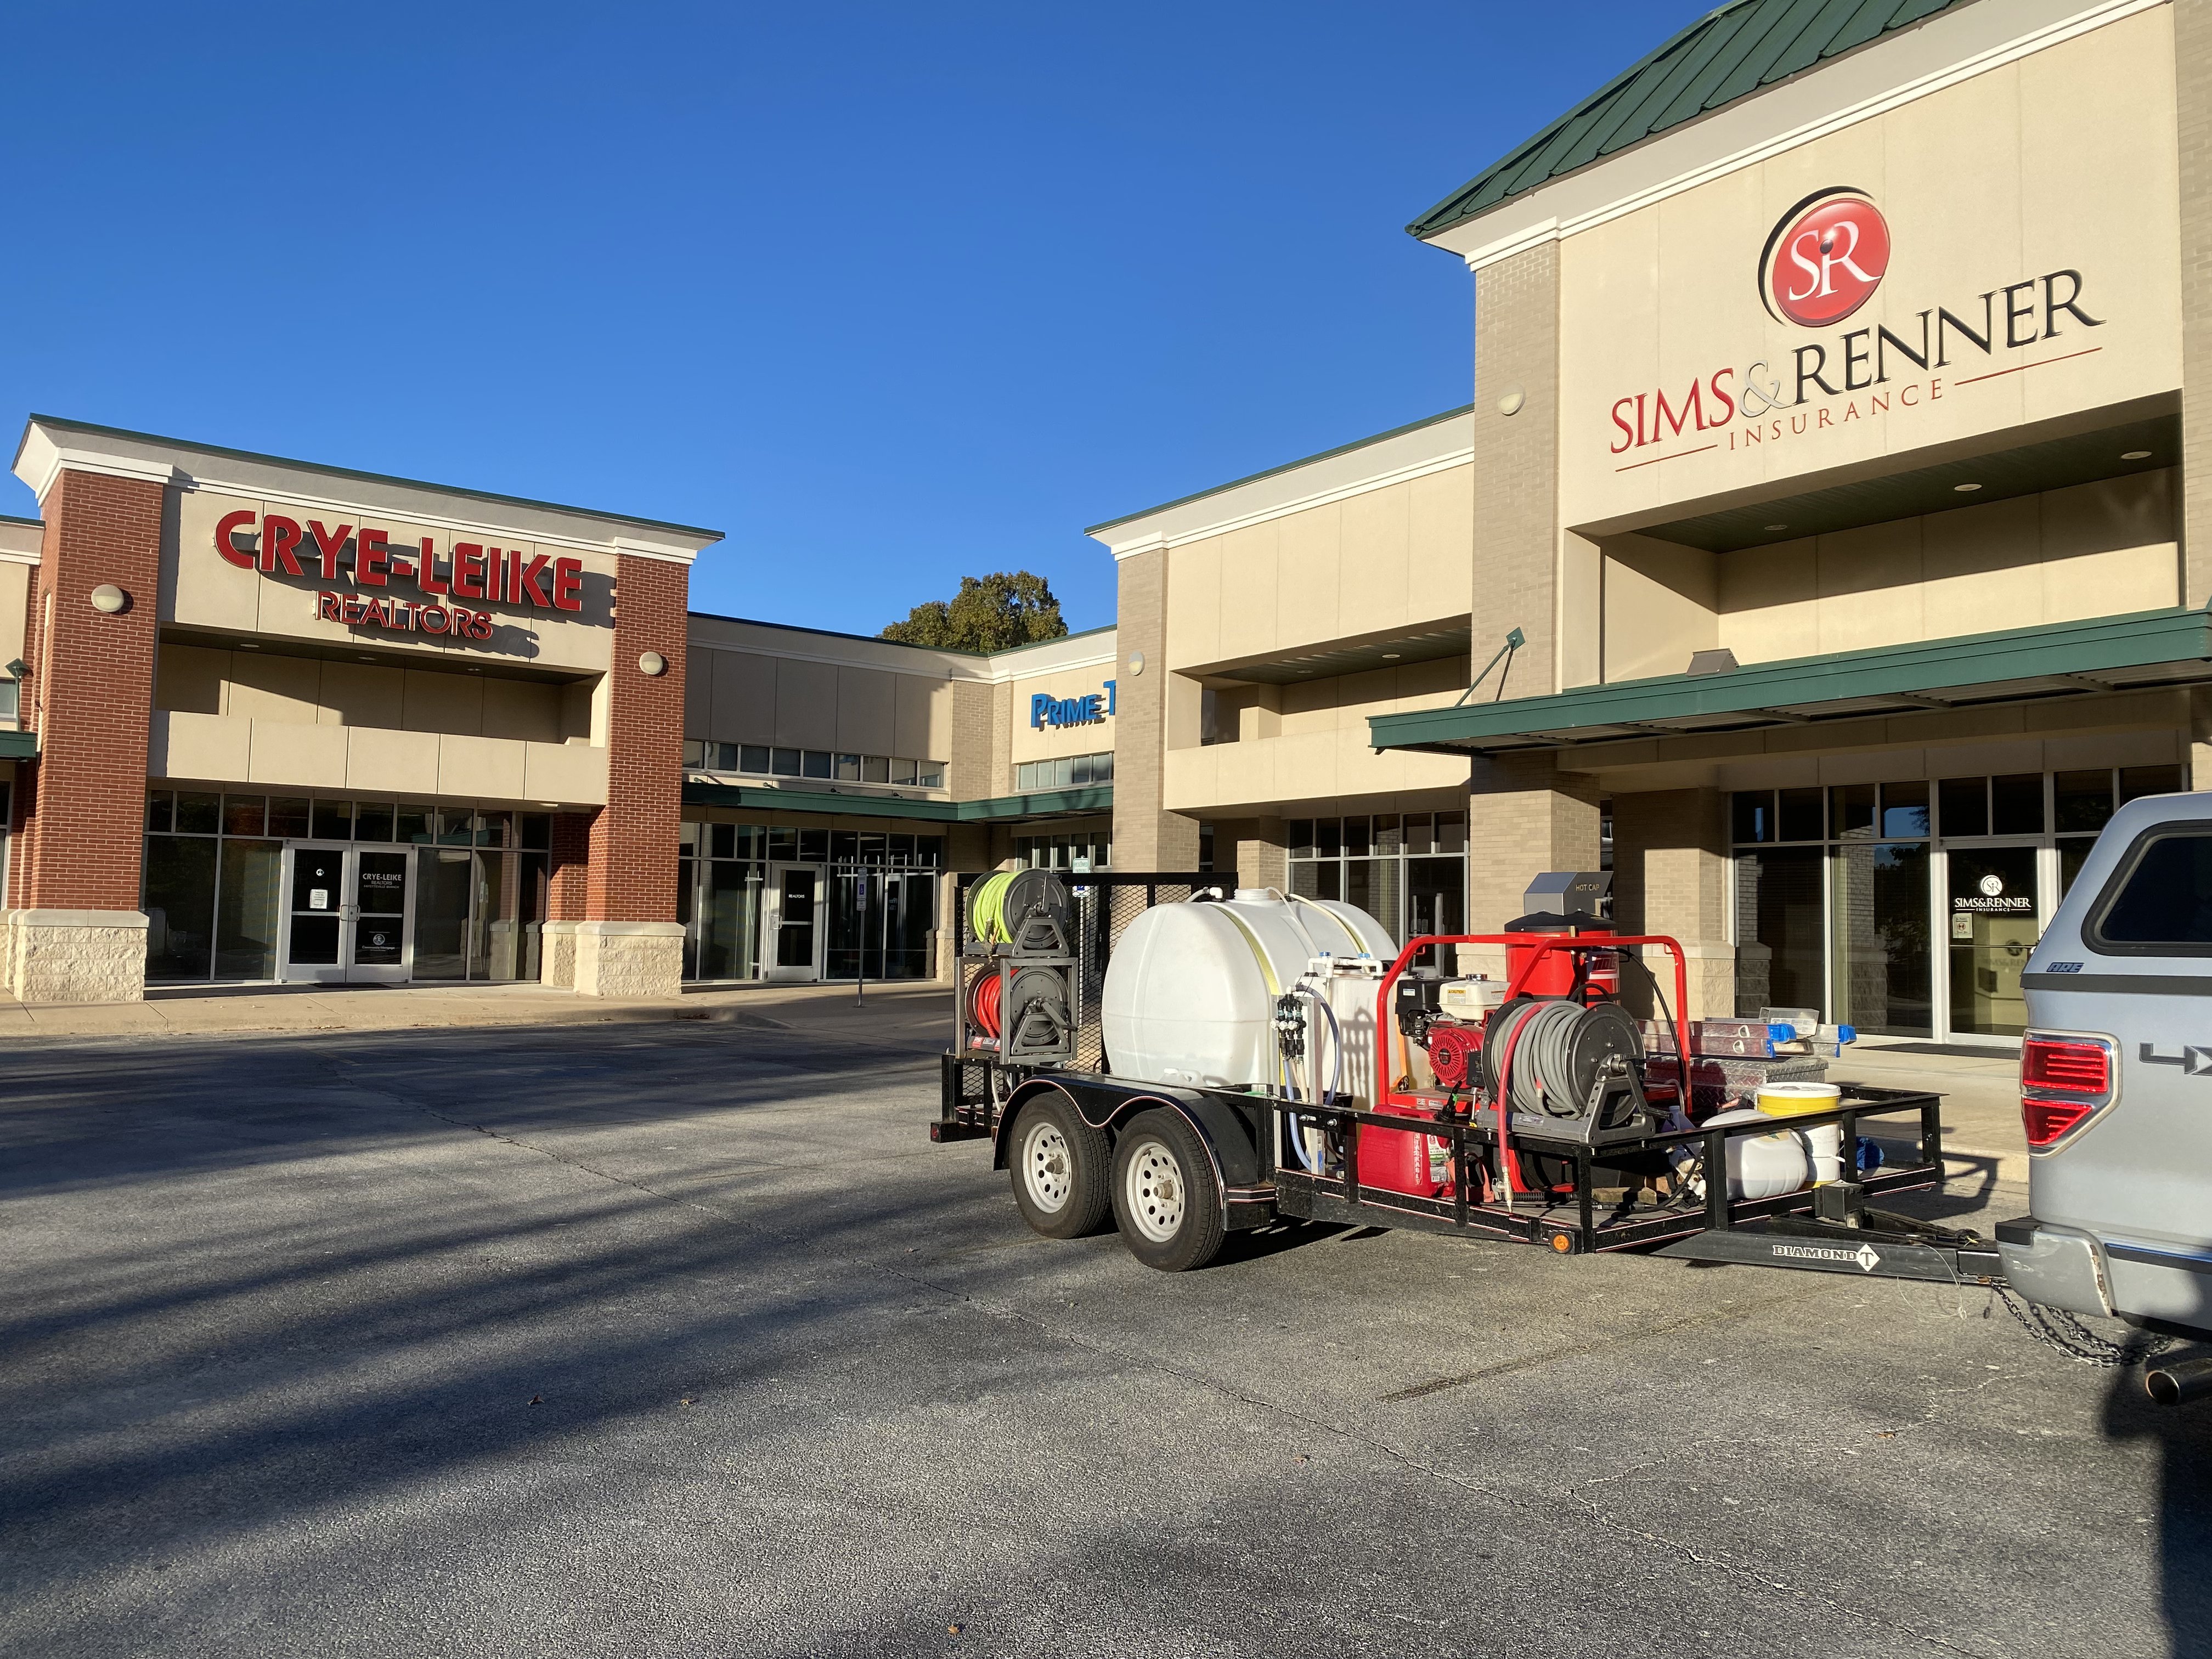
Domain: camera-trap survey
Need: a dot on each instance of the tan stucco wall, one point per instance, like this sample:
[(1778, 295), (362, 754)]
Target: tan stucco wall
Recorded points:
[(2095, 549), (2061, 160), (1320, 750), (291, 754), (1383, 560), (1032, 743), (16, 581), (200, 590), (798, 702)]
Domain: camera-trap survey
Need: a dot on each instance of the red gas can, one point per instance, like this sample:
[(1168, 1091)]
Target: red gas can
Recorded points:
[(1402, 1161)]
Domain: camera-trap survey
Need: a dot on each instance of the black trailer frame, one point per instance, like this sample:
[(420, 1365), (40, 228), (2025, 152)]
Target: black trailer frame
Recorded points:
[(1825, 1228)]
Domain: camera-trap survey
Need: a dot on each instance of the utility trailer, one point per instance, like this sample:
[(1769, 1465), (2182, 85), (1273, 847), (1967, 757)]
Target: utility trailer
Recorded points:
[(1180, 1164)]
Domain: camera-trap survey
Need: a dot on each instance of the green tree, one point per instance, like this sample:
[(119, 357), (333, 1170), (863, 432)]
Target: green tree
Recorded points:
[(989, 613)]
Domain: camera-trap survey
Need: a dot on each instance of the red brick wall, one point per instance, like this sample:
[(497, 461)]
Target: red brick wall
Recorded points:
[(567, 891), (632, 876), (93, 690)]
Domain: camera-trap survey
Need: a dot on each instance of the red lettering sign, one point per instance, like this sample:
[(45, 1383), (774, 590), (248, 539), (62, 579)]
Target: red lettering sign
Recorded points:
[(230, 550)]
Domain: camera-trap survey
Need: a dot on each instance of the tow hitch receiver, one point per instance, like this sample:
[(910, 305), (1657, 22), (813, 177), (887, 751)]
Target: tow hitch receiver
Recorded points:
[(1843, 1237)]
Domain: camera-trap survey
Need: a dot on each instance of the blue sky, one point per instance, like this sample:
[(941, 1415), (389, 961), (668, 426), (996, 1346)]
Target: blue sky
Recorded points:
[(888, 294)]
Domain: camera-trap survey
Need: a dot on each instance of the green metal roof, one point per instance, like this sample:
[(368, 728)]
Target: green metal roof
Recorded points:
[(1726, 54), (2148, 649), (996, 809)]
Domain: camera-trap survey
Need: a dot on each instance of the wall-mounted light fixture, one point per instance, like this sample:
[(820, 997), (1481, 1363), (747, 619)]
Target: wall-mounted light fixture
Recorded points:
[(651, 664), (107, 599)]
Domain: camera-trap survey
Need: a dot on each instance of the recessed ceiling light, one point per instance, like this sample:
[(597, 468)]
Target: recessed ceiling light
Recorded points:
[(2136, 455), (1778, 527), (368, 660), (1392, 656), (247, 645), (1964, 488)]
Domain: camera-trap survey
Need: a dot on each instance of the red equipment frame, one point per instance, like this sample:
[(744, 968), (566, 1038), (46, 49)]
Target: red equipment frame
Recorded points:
[(1537, 945)]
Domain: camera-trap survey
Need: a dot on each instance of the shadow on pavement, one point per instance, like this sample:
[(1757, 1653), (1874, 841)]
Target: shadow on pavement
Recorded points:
[(2184, 1436)]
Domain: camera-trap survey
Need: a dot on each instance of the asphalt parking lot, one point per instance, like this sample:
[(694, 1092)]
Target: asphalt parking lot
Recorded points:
[(685, 1341)]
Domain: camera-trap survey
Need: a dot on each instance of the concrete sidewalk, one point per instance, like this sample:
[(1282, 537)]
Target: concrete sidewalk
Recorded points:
[(905, 1013), (1982, 1125)]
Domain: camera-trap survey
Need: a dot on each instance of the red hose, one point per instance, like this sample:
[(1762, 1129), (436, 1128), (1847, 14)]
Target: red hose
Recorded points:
[(983, 1001)]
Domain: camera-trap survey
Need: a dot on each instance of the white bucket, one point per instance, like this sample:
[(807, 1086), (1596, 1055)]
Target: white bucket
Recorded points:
[(1824, 1140), (1763, 1166)]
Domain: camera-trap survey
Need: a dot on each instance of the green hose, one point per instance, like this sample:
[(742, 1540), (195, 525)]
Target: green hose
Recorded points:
[(987, 908)]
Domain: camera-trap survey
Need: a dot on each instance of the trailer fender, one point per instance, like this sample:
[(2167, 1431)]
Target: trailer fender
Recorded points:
[(1227, 1137)]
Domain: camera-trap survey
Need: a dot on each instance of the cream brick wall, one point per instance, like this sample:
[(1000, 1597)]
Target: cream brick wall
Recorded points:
[(2192, 56), (1514, 538), (1525, 817), (1147, 835), (1670, 876)]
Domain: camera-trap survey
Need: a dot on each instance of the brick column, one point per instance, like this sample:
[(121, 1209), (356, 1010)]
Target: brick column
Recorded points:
[(630, 942), (1147, 835), (1670, 876), (1525, 817), (78, 935), (565, 895)]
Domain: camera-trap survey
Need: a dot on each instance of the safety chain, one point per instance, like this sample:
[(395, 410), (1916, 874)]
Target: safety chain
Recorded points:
[(2056, 1329)]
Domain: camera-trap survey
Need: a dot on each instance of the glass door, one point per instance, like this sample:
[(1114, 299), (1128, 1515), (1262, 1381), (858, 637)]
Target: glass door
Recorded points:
[(1993, 910), (315, 905), (382, 888), (346, 914), (790, 934)]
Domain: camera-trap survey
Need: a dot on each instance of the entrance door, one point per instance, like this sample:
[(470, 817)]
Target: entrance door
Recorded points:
[(790, 925), (346, 914), (1993, 913), (379, 922)]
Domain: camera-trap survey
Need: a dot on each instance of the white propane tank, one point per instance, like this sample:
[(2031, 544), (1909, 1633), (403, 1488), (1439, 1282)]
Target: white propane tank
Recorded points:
[(1763, 1166), (1190, 994)]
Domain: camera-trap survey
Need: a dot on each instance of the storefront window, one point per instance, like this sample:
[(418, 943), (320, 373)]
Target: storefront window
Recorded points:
[(1780, 951), (248, 909), (180, 906), (1882, 971), (1408, 870), (722, 878), (1909, 909)]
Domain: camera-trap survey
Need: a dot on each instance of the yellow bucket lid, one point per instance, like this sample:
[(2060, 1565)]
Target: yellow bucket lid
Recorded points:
[(1796, 1099)]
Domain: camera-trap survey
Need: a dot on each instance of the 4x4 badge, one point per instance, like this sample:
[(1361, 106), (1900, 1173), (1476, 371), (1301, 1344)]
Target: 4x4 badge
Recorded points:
[(2192, 1059)]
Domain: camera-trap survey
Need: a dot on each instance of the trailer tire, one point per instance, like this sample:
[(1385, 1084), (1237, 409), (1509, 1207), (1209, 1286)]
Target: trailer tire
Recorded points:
[(1061, 1166), (1167, 1201)]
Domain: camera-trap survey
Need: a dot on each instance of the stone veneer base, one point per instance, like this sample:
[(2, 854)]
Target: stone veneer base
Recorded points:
[(74, 956), (630, 958)]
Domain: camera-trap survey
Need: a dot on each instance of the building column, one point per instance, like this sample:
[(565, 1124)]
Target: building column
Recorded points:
[(2192, 63), (1147, 835), (1257, 849), (1525, 817), (1670, 876), (77, 933), (630, 942), (566, 895)]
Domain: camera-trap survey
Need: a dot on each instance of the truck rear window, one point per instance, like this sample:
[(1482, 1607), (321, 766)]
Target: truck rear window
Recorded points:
[(2163, 895)]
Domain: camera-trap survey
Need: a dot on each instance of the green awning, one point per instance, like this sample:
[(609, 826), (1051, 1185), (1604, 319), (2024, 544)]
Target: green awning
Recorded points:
[(2110, 653), (19, 745), (996, 809)]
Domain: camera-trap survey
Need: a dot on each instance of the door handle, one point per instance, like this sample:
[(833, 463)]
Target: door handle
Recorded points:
[(349, 912)]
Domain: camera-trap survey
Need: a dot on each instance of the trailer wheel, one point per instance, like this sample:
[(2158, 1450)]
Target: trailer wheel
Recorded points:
[(1060, 1167), (1165, 1200)]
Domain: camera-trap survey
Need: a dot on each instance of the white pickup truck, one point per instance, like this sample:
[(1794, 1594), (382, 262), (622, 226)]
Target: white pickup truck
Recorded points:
[(2116, 1081)]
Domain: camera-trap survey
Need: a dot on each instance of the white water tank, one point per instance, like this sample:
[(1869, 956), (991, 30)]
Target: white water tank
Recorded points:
[(1190, 992)]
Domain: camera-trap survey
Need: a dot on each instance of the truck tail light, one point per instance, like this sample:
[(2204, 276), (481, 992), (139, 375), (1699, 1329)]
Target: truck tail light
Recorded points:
[(2063, 1082)]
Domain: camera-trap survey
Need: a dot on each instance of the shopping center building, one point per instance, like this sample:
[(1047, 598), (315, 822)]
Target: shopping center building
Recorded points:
[(1821, 552)]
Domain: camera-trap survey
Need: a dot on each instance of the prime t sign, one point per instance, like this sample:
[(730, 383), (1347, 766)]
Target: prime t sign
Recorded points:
[(1047, 710)]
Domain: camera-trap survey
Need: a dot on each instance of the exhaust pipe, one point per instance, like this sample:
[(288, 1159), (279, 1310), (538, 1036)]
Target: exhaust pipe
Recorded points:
[(2178, 1383)]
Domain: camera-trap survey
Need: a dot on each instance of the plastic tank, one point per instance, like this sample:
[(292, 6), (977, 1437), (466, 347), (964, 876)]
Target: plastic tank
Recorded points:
[(1190, 992)]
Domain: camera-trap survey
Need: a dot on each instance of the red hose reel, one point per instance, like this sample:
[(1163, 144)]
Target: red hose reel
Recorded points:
[(983, 1001)]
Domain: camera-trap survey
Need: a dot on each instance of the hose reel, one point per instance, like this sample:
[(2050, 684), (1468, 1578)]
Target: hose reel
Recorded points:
[(1576, 1069), (1024, 1012), (1027, 909)]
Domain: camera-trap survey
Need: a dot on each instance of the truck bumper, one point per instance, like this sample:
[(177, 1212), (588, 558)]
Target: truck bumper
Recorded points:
[(2056, 1266)]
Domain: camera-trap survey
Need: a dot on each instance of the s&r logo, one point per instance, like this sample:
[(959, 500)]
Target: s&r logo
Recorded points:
[(1824, 259)]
